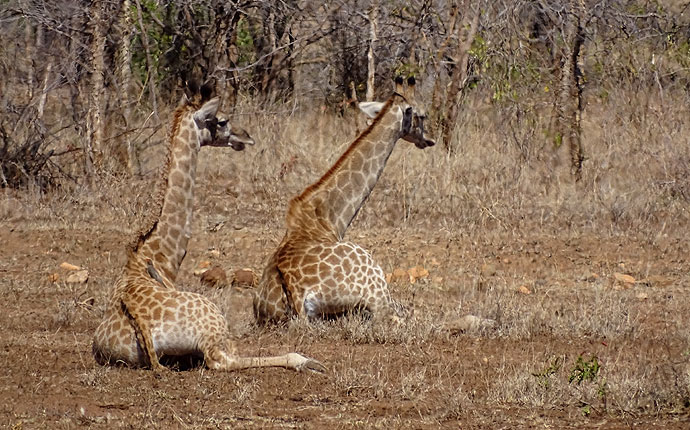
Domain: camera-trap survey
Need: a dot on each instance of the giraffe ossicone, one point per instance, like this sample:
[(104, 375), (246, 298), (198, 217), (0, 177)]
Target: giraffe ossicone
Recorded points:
[(146, 317), (314, 273)]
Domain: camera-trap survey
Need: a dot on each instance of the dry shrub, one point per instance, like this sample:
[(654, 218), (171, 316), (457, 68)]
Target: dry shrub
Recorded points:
[(501, 177)]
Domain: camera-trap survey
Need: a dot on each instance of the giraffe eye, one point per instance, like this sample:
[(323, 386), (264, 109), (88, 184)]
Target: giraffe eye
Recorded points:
[(223, 123)]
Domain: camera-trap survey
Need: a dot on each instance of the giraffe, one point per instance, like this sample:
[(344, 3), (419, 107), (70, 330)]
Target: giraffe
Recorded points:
[(165, 240), (314, 272), (146, 316)]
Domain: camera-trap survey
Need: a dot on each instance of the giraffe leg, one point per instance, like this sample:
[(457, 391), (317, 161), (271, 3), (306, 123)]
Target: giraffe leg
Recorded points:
[(142, 330), (220, 358)]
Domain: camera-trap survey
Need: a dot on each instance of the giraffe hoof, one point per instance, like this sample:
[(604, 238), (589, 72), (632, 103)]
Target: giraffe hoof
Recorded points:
[(301, 363), (158, 369), (313, 366)]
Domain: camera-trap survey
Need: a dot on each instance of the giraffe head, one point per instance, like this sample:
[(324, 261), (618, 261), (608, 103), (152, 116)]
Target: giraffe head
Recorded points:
[(410, 115), (216, 130)]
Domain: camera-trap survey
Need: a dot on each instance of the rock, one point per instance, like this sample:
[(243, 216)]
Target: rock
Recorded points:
[(67, 266), (214, 253), (627, 279), (622, 281), (214, 277), (469, 323), (417, 272), (202, 267), (524, 290), (244, 278), (78, 277), (399, 275)]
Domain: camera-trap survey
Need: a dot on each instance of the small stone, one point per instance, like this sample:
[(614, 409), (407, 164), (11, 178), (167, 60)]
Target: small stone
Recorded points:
[(469, 322), (68, 266), (78, 277), (522, 289), (214, 277), (642, 296), (245, 278), (417, 272), (399, 275), (214, 253), (202, 267), (627, 279)]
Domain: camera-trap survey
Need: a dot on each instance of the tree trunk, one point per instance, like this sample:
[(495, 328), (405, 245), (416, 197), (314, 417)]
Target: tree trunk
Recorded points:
[(569, 98), (31, 50), (151, 72), (74, 74), (44, 92), (94, 121), (437, 108), (371, 69), (123, 73), (459, 75)]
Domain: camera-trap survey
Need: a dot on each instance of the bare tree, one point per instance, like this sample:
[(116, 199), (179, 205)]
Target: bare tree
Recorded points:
[(454, 53), (93, 147), (371, 69), (123, 79), (150, 70), (569, 100)]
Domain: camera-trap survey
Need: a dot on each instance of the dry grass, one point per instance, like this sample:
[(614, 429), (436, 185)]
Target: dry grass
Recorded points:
[(635, 174)]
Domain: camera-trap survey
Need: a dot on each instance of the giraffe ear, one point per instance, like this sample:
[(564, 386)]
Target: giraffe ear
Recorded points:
[(371, 108), (206, 112)]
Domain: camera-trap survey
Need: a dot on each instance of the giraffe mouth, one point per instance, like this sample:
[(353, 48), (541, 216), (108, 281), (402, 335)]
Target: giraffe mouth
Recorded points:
[(237, 146), (424, 143)]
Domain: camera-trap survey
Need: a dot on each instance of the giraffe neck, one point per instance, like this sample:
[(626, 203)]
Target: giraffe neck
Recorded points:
[(334, 200), (165, 244)]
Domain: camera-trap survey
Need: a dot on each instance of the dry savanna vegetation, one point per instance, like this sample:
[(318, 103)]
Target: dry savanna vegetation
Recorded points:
[(555, 208)]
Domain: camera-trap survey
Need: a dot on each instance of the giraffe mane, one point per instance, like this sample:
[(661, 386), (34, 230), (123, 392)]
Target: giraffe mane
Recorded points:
[(309, 191), (154, 214)]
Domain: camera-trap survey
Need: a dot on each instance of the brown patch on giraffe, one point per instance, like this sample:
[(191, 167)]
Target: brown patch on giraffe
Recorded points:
[(177, 177), (175, 233)]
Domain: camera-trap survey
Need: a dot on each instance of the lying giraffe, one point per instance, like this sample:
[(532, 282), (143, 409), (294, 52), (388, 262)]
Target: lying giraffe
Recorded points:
[(146, 316), (314, 273)]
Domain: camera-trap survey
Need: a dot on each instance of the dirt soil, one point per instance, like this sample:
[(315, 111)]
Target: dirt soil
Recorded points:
[(420, 380)]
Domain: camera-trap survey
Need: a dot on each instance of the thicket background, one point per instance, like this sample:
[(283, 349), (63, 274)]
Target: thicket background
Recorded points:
[(88, 86)]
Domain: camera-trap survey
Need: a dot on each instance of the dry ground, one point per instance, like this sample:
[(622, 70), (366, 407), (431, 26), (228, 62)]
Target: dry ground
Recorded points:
[(514, 375)]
